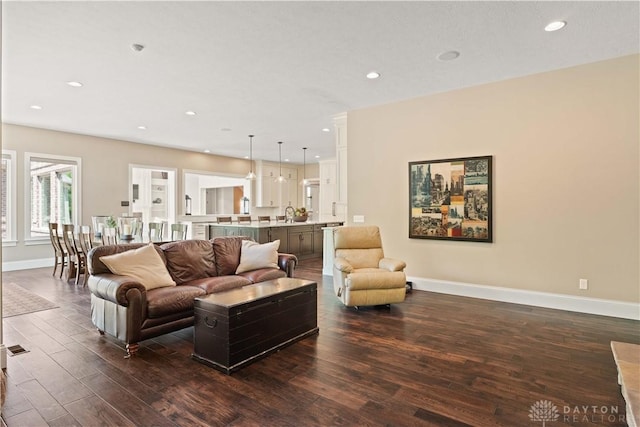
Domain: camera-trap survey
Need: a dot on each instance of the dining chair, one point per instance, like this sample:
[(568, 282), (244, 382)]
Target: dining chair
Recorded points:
[(155, 231), (110, 236), (222, 219), (85, 237), (59, 250), (179, 231), (76, 256), (244, 219), (264, 218)]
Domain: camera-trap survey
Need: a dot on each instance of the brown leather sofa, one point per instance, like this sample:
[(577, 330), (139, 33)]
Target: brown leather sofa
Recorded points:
[(123, 308)]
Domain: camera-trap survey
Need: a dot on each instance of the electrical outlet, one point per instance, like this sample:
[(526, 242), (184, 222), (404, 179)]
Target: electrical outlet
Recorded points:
[(358, 218), (584, 284)]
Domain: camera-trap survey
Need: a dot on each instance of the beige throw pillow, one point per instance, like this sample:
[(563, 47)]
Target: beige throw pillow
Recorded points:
[(254, 256), (143, 264)]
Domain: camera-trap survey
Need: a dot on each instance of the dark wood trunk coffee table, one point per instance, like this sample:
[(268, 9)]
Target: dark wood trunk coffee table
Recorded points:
[(237, 327)]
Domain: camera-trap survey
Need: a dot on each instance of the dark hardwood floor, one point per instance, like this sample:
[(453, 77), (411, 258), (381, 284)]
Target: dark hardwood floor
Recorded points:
[(432, 360)]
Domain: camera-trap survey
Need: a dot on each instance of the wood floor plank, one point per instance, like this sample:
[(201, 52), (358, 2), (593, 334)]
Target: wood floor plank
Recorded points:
[(73, 364), (64, 421), (56, 380), (30, 418), (41, 400), (123, 401), (16, 402), (93, 411)]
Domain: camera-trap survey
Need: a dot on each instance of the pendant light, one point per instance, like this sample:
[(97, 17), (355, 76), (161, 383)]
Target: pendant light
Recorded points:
[(251, 174), (304, 166), (280, 178)]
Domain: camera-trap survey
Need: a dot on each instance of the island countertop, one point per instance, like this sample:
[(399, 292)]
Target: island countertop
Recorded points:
[(272, 224)]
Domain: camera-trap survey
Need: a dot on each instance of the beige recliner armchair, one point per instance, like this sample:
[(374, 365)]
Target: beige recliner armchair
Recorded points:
[(361, 274)]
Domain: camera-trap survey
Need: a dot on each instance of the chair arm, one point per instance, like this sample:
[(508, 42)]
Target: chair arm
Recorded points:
[(392, 264), (287, 263), (341, 264), (115, 288)]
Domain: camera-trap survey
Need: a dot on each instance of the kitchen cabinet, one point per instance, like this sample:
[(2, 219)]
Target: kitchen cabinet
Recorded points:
[(270, 193), (318, 237), (279, 233), (301, 241), (328, 189)]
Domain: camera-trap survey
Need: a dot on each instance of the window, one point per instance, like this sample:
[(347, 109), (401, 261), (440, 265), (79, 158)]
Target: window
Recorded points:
[(53, 184), (8, 196)]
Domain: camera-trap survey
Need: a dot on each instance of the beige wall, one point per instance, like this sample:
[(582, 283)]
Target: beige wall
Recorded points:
[(566, 182), (105, 172)]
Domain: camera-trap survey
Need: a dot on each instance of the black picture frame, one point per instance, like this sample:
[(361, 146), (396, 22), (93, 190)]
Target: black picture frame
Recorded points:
[(451, 199)]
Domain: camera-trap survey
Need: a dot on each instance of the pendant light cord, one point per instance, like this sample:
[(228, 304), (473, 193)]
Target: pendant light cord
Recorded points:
[(304, 164), (251, 152), (280, 155)]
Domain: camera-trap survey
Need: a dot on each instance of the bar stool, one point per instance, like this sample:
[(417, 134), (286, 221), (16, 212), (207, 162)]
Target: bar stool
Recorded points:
[(244, 219)]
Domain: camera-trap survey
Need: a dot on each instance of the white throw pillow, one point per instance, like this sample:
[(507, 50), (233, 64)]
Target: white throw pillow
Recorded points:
[(254, 255), (143, 264)]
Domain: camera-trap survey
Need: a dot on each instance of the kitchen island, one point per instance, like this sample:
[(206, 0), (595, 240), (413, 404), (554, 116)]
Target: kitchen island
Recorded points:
[(303, 239)]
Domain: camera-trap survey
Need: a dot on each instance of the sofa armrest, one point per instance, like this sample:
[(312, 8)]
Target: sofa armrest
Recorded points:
[(115, 288), (392, 264), (287, 263), (342, 265)]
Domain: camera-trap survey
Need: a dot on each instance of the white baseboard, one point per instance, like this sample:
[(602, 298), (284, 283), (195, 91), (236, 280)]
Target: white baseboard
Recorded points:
[(27, 264), (603, 307)]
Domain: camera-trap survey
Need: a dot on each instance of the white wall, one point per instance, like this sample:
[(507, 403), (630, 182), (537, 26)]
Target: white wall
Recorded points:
[(566, 199)]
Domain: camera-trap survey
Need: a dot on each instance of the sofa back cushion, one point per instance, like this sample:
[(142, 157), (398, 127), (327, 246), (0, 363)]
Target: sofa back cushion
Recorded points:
[(97, 267), (227, 254), (190, 260), (142, 264)]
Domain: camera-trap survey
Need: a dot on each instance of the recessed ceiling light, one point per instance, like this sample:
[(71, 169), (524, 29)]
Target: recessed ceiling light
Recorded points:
[(207, 151), (74, 84), (286, 160), (326, 130), (225, 129), (373, 75), (555, 25), (448, 56), (317, 157), (246, 157), (142, 127), (190, 113), (36, 107)]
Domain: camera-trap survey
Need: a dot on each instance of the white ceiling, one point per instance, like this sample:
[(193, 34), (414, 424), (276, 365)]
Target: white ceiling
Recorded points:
[(279, 70)]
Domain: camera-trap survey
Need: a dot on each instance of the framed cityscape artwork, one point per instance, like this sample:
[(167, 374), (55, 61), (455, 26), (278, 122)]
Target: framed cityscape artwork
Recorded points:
[(451, 199)]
